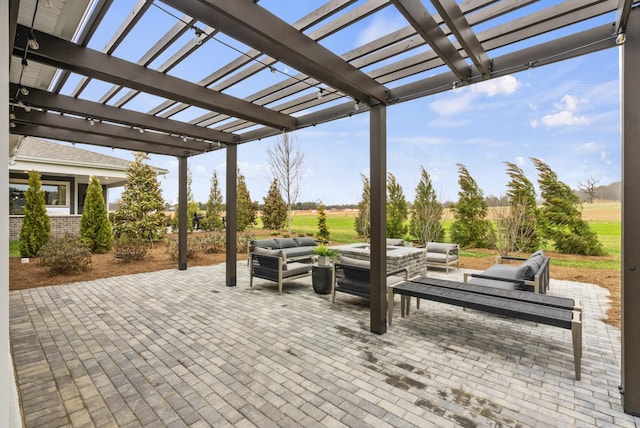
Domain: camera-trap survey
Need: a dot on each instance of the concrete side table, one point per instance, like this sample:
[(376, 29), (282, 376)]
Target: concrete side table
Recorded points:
[(322, 278)]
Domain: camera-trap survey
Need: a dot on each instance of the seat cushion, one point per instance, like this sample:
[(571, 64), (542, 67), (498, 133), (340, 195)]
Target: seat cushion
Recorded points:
[(294, 269), (441, 257), (502, 271), (395, 242), (505, 285)]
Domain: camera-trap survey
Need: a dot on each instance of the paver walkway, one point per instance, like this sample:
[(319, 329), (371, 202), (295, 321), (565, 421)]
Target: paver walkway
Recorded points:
[(178, 348)]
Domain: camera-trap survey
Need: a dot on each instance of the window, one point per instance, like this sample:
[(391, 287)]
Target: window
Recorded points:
[(55, 195)]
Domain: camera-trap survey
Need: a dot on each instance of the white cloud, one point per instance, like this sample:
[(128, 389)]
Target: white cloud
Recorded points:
[(521, 161), (504, 85), (422, 141), (566, 113), (563, 118), (589, 148), (453, 104), (378, 27), (533, 124)]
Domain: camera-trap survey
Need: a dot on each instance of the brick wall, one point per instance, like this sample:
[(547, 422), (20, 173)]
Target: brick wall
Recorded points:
[(60, 225)]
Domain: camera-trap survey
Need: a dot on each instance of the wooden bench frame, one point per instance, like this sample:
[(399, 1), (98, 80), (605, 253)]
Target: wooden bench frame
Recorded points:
[(551, 310)]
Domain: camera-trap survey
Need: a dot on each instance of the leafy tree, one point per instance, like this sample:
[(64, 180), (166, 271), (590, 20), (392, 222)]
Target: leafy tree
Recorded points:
[(470, 228), (36, 225), (213, 217), (274, 213), (560, 217), (192, 208), (141, 213), (397, 209), (285, 163), (425, 222), (323, 231), (363, 220), (95, 228), (523, 210), (246, 208)]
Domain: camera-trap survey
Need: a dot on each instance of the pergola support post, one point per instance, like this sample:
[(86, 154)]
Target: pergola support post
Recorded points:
[(630, 131), (378, 182), (232, 216), (182, 213)]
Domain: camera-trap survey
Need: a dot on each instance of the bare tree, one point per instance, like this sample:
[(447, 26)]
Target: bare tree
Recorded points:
[(514, 230), (285, 164), (589, 188)]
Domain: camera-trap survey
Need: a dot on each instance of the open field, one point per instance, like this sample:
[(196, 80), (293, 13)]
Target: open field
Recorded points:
[(604, 271)]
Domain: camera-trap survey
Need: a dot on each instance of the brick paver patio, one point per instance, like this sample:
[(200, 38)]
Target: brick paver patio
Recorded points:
[(178, 348)]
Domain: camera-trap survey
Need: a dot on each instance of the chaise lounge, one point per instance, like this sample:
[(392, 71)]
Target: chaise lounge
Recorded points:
[(532, 274)]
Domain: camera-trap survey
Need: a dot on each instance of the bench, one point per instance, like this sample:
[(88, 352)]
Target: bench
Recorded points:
[(530, 274), (551, 310)]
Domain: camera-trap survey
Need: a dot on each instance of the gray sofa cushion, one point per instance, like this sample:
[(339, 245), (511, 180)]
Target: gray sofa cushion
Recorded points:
[(440, 247), (265, 243), (502, 271), (505, 285), (296, 269), (441, 257), (266, 252), (297, 251), (306, 242), (527, 270), (354, 262), (285, 242), (395, 242)]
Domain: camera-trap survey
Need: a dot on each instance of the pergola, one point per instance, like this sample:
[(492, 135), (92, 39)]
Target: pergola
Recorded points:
[(302, 81)]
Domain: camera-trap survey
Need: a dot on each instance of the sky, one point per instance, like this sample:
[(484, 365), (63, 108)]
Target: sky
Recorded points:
[(567, 114)]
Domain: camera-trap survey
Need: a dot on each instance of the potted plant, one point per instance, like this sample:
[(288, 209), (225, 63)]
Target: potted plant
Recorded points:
[(408, 240), (325, 254)]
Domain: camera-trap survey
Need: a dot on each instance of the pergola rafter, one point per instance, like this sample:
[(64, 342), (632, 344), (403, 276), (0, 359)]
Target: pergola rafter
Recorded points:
[(444, 44)]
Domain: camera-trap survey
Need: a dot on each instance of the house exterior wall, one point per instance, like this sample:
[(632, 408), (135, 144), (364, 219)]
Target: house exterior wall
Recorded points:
[(60, 225)]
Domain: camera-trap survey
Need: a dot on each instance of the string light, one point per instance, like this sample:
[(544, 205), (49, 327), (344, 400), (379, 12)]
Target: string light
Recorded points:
[(24, 91), (33, 43), (199, 35)]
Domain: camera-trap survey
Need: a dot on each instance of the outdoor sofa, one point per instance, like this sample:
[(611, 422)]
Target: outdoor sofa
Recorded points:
[(530, 274)]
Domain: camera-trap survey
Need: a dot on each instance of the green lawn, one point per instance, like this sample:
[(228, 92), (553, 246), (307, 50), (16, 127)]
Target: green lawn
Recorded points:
[(342, 231), (14, 249)]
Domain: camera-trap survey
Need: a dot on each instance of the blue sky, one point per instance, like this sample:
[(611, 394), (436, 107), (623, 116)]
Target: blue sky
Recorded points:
[(567, 114)]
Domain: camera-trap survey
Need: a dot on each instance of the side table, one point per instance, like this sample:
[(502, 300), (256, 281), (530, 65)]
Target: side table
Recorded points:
[(322, 278)]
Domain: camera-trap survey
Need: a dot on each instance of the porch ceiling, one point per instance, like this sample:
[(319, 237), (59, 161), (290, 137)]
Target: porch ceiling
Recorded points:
[(261, 73)]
